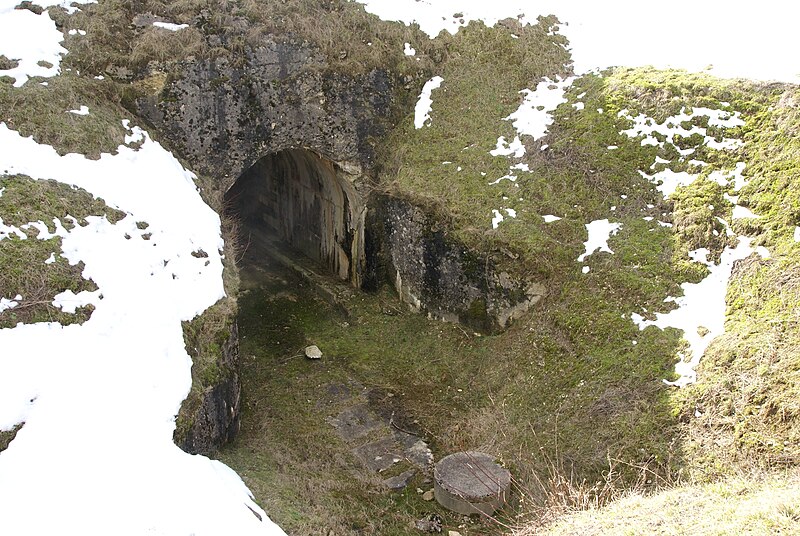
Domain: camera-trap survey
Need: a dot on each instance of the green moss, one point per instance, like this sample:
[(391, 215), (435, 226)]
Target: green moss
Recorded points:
[(206, 337)]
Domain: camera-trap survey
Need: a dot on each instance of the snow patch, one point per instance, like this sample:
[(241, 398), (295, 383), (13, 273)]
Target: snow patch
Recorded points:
[(512, 178), (408, 50), (515, 148), (7, 231), (549, 218), (68, 301), (6, 304), (700, 312), (535, 114), (84, 110), (172, 27), (599, 233), (740, 213), (423, 109), (124, 372)]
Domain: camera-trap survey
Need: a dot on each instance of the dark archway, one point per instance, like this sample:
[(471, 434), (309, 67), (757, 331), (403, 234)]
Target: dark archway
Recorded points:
[(307, 202)]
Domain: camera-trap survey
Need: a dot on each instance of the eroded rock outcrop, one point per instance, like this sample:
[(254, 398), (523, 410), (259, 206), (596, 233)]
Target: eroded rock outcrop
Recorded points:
[(434, 273)]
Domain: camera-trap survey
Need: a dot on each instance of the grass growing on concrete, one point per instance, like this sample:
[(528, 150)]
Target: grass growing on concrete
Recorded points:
[(350, 40)]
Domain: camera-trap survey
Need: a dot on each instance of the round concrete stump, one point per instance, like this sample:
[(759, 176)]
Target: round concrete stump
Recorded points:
[(471, 483)]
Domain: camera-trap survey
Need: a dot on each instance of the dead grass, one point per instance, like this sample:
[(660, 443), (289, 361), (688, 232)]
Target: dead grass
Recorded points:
[(42, 112), (758, 504)]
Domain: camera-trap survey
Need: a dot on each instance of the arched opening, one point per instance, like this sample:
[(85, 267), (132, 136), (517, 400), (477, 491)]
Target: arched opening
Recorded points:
[(302, 200)]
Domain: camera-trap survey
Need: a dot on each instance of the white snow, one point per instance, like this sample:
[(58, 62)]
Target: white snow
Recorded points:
[(51, 259), (549, 218), (512, 178), (626, 34), (740, 212), (667, 181), (504, 148), (408, 50), (797, 234), (99, 400), (423, 108), (535, 114), (586, 270), (170, 26), (76, 32), (29, 38), (599, 233), (68, 301), (672, 126), (7, 230), (84, 110), (6, 304), (498, 217), (702, 305)]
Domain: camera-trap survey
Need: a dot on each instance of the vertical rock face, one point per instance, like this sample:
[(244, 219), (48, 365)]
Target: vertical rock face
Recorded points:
[(437, 274), (216, 421), (307, 202)]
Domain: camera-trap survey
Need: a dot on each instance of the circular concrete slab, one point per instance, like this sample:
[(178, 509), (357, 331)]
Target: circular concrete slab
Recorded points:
[(471, 483)]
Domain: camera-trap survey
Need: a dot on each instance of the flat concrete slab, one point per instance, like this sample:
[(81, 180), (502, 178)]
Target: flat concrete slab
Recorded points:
[(415, 450), (380, 455), (355, 422)]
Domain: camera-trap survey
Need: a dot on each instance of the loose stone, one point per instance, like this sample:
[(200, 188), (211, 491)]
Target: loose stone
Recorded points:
[(313, 352)]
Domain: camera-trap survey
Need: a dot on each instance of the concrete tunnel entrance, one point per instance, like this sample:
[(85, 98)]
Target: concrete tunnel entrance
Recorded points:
[(302, 200)]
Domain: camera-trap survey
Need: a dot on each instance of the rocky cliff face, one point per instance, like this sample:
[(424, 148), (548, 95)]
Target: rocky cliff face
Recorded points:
[(434, 273), (216, 420)]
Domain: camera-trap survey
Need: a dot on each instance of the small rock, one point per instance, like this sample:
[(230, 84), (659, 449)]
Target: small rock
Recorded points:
[(429, 523), (313, 352), (453, 533), (428, 495), (399, 482)]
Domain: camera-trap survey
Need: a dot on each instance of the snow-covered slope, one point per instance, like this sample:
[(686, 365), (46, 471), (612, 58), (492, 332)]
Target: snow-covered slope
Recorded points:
[(98, 401)]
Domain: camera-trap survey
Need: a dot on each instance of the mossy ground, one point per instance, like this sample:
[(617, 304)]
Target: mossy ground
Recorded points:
[(530, 391), (23, 269)]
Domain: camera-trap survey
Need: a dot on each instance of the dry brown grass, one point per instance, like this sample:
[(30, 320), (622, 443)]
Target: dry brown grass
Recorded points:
[(748, 503)]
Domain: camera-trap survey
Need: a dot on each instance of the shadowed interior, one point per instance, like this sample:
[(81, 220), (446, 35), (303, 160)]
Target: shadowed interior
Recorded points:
[(306, 202)]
